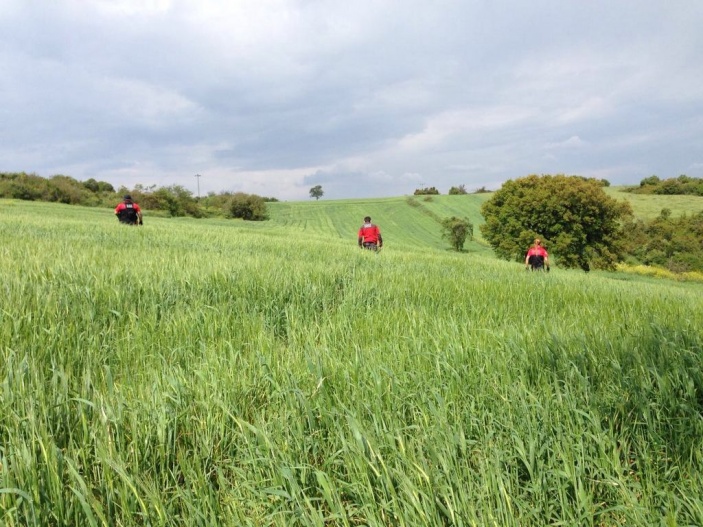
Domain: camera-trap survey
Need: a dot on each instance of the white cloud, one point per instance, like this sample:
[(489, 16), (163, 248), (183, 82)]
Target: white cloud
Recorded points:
[(260, 94), (472, 122), (572, 142)]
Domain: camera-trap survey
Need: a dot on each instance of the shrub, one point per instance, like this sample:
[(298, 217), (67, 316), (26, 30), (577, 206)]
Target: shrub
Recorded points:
[(457, 230), (247, 207)]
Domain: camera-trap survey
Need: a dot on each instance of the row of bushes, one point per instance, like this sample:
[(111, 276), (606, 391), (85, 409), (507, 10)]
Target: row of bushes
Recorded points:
[(682, 185), (453, 191), (172, 200), (58, 189)]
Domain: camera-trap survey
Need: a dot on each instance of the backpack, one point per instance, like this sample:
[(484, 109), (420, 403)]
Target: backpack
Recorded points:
[(536, 261), (129, 214)]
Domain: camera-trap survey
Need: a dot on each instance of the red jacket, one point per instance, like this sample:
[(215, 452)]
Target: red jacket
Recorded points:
[(122, 207), (369, 233), (537, 251), (129, 212)]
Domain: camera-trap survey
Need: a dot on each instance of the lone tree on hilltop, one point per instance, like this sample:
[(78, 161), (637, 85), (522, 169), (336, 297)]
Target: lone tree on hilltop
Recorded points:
[(578, 222), (316, 192)]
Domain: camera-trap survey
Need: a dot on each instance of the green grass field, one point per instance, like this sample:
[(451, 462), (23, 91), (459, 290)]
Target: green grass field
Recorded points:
[(409, 222), (217, 372), (649, 206)]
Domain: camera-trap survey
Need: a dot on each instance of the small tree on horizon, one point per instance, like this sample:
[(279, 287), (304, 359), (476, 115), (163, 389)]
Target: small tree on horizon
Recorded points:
[(316, 192)]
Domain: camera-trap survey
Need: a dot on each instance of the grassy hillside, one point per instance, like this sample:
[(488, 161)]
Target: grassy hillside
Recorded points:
[(212, 372), (412, 221), (406, 221), (648, 206)]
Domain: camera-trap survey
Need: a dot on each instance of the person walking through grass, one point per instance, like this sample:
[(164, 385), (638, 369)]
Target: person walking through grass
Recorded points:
[(370, 236), (537, 257), (129, 212)]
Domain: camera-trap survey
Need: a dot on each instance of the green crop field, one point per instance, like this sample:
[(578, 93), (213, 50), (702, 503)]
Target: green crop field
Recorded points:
[(219, 372), (649, 206), (409, 222)]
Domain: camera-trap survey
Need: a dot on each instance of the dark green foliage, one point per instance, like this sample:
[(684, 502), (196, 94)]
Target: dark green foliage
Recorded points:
[(457, 230), (579, 224), (650, 181), (174, 200), (28, 187), (482, 190), (316, 192), (91, 184), (682, 185), (426, 190), (65, 189), (31, 187), (461, 189), (675, 244), (98, 186), (247, 207)]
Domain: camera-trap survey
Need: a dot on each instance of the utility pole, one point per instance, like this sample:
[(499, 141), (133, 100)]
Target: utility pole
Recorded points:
[(198, 176)]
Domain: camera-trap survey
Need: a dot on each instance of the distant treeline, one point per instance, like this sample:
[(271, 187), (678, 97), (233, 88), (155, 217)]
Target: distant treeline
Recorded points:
[(683, 185), (672, 243), (675, 244), (171, 200)]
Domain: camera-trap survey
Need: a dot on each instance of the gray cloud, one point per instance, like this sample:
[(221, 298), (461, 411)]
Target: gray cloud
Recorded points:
[(366, 98)]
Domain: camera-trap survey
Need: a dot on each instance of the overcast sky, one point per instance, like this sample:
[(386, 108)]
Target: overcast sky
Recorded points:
[(368, 98)]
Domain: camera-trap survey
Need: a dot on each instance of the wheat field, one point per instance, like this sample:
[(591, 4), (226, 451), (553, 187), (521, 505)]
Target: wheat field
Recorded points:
[(212, 372)]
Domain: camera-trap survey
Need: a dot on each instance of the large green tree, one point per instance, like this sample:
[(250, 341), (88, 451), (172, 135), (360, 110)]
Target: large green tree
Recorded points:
[(580, 225)]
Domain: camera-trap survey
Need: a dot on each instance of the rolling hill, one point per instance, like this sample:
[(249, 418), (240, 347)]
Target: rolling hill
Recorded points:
[(414, 221)]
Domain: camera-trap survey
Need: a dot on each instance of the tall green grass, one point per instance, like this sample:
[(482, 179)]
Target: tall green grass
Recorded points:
[(223, 373)]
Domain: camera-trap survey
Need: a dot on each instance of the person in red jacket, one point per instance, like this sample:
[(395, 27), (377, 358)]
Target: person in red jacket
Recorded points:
[(370, 235), (537, 257), (129, 212)]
